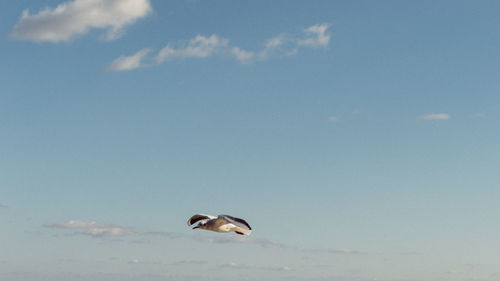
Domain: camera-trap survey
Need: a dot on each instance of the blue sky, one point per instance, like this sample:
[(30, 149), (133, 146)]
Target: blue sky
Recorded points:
[(358, 138)]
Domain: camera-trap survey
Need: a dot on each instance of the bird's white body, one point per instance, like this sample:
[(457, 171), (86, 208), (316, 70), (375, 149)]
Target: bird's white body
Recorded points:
[(222, 223)]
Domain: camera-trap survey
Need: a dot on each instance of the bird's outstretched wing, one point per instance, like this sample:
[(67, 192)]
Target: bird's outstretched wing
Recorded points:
[(243, 226), (199, 217)]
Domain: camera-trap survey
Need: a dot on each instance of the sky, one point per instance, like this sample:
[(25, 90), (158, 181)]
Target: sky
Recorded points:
[(359, 139)]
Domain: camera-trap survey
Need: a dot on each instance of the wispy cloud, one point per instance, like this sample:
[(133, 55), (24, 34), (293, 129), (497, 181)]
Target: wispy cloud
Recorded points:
[(339, 251), (410, 253), (198, 47), (127, 63), (435, 116), (242, 55), (172, 235), (139, 261), (233, 265), (2, 206), (141, 241), (316, 36), (189, 262), (92, 229), (266, 243), (214, 45), (263, 242), (75, 18), (96, 230)]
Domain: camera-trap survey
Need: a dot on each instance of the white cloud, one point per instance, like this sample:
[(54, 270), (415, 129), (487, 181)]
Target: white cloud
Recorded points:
[(274, 46), (317, 36), (198, 47), (72, 224), (242, 55), (435, 116), (275, 42), (75, 18), (128, 62), (203, 47), (92, 229)]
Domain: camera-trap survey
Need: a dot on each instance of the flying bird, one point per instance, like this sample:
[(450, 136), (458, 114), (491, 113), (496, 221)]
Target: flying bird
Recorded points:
[(222, 223)]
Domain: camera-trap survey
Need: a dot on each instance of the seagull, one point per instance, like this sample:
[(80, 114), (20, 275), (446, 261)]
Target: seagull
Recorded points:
[(222, 223)]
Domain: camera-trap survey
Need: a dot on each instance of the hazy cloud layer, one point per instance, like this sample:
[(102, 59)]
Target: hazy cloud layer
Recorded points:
[(92, 229), (435, 116), (214, 45), (75, 18), (96, 230), (138, 261), (2, 206), (188, 262), (234, 265), (141, 241), (172, 235), (263, 242), (266, 243), (176, 263), (339, 251)]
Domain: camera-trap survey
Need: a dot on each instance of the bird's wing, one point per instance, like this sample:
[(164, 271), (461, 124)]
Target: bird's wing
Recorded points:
[(199, 217), (241, 230), (241, 223)]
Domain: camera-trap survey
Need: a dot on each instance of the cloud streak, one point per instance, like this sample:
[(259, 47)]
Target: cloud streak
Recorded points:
[(339, 251), (263, 242), (233, 265), (128, 62), (198, 47), (92, 229), (316, 36), (171, 235), (75, 18), (435, 116), (202, 47), (96, 230)]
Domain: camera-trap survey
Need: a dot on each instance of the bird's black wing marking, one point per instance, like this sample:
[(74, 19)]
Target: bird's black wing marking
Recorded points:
[(238, 221), (198, 217)]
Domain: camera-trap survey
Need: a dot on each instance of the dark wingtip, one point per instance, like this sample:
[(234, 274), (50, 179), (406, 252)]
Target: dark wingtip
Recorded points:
[(197, 218), (242, 221)]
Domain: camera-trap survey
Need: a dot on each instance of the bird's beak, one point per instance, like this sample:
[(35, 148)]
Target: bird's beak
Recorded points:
[(196, 227)]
